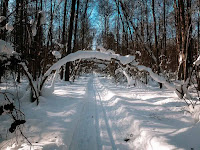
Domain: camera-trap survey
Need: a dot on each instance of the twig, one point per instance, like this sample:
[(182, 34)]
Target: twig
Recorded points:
[(24, 136)]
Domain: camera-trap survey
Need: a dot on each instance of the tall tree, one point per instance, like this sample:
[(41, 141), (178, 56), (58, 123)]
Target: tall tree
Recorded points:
[(3, 23), (84, 23), (76, 26), (164, 28), (69, 45), (64, 23), (183, 36), (105, 10), (64, 37), (19, 38), (156, 38)]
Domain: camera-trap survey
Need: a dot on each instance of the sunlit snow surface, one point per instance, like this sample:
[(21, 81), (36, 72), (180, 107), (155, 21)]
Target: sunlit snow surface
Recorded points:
[(93, 113)]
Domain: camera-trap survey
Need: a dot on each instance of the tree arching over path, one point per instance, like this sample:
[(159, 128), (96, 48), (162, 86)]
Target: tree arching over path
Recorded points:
[(128, 61), (37, 86)]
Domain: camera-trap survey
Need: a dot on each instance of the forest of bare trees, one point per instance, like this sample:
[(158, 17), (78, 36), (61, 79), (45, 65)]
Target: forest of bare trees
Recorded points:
[(164, 35), (140, 42), (35, 39)]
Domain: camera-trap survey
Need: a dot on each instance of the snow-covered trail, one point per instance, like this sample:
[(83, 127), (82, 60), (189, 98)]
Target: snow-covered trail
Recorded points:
[(85, 133), (152, 118), (93, 131), (94, 113)]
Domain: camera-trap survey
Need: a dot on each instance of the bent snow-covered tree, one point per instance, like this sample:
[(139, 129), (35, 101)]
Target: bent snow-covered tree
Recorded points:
[(123, 60), (37, 85)]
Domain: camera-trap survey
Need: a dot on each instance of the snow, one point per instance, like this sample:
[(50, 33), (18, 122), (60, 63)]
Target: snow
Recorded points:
[(102, 66), (129, 79), (34, 83), (180, 90), (89, 54), (56, 54), (32, 21), (93, 113), (103, 50), (110, 51), (195, 112), (33, 29), (9, 27), (59, 44), (6, 48), (139, 53), (126, 59), (157, 78), (2, 18), (180, 58), (197, 62), (43, 17)]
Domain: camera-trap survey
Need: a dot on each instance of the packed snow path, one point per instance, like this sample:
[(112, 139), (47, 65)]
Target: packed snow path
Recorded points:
[(92, 123), (94, 113), (87, 128)]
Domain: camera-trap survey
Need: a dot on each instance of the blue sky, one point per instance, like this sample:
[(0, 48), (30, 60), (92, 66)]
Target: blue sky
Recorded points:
[(95, 21)]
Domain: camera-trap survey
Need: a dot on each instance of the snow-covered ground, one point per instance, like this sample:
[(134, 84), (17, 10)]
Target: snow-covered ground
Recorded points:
[(94, 113)]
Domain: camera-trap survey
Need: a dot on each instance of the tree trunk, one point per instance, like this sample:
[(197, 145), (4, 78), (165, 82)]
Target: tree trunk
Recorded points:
[(156, 39), (198, 39), (184, 42), (3, 23), (189, 49), (67, 70), (64, 37), (64, 23), (83, 24), (118, 26), (76, 26), (164, 32)]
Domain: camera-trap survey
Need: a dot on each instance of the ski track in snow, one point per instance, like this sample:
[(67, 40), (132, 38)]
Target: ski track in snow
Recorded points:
[(84, 136), (93, 131), (95, 114)]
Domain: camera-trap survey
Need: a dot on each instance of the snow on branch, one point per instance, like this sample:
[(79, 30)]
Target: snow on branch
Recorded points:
[(6, 48), (56, 54), (90, 54), (197, 62), (30, 78), (129, 78), (156, 77), (124, 60), (180, 90)]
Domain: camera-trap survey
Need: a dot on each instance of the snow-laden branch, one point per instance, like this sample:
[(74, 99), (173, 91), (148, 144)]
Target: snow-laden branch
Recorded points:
[(128, 60), (129, 78), (35, 89), (124, 60), (89, 54), (156, 77), (6, 48), (180, 90), (197, 62)]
